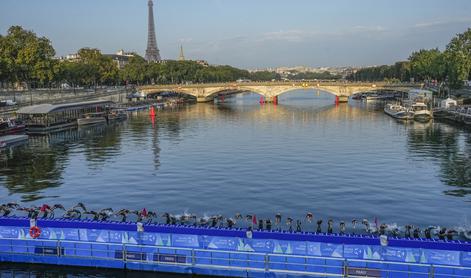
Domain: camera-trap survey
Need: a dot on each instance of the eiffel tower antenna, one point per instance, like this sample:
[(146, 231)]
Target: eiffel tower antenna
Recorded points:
[(152, 52)]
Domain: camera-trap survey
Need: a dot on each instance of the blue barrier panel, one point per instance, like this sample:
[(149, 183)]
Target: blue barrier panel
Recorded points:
[(239, 259), (222, 243), (79, 240), (5, 245), (466, 259), (190, 241), (442, 257)]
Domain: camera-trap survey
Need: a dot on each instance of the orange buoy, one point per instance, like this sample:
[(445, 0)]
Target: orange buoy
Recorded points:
[(34, 232)]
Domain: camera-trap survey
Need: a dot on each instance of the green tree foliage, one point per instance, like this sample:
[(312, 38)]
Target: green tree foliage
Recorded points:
[(3, 64), (136, 71), (265, 76), (458, 58), (428, 65), (400, 71), (26, 57)]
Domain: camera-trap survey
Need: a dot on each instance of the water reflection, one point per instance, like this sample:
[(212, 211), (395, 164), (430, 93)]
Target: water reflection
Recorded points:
[(28, 170), (450, 147)]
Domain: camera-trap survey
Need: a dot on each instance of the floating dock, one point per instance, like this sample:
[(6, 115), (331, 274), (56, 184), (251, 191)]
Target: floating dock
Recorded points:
[(12, 140), (227, 252)]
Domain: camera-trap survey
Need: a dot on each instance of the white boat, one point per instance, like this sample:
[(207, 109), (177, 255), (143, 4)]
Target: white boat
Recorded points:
[(398, 111), (421, 112), (92, 119)]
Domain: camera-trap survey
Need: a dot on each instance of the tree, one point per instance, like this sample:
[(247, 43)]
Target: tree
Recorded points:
[(27, 58), (136, 70), (427, 64), (3, 64), (458, 59), (264, 76)]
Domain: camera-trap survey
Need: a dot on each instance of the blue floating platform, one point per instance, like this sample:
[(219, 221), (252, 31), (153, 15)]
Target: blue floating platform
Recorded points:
[(227, 252)]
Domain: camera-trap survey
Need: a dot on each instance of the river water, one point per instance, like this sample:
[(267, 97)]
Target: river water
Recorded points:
[(304, 154)]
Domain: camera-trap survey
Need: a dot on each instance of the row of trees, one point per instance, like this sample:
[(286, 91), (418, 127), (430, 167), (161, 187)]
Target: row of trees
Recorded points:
[(138, 71), (453, 65), (28, 59)]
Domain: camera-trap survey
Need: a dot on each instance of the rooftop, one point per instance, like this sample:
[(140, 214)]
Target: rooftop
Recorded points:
[(48, 108)]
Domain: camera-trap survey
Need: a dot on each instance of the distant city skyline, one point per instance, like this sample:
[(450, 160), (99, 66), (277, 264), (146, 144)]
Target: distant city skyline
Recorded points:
[(245, 33)]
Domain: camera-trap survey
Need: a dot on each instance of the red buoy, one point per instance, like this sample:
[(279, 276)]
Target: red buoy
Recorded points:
[(337, 100), (152, 111)]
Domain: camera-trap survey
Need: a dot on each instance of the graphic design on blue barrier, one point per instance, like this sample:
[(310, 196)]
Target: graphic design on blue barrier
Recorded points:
[(223, 243), (94, 235), (262, 245), (396, 254), (353, 251), (69, 234), (9, 232), (324, 249), (183, 240)]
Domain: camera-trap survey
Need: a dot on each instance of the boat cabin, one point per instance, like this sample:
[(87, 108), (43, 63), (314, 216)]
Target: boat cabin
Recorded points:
[(44, 118), (419, 106)]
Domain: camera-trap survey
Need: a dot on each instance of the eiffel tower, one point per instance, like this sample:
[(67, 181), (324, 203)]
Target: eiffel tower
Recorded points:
[(152, 51)]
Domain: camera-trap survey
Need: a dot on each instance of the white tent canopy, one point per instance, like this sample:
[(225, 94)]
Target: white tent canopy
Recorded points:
[(447, 103)]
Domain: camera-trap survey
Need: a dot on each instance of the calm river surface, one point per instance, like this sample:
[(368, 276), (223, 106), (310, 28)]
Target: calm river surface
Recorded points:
[(305, 154)]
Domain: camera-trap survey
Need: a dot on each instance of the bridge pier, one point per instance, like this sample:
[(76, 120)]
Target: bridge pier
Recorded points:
[(343, 99)]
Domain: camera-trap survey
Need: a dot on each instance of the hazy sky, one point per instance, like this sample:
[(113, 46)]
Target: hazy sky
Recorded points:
[(248, 33)]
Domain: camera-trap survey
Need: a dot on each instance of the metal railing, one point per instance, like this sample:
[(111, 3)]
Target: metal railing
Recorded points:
[(226, 260)]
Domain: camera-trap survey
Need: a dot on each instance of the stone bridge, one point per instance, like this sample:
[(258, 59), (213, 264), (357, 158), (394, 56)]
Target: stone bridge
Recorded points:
[(271, 90)]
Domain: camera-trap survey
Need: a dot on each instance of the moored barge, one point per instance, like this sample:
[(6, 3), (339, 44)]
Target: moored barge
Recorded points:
[(45, 118)]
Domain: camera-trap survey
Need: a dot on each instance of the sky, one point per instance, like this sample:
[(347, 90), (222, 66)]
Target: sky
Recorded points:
[(248, 33)]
